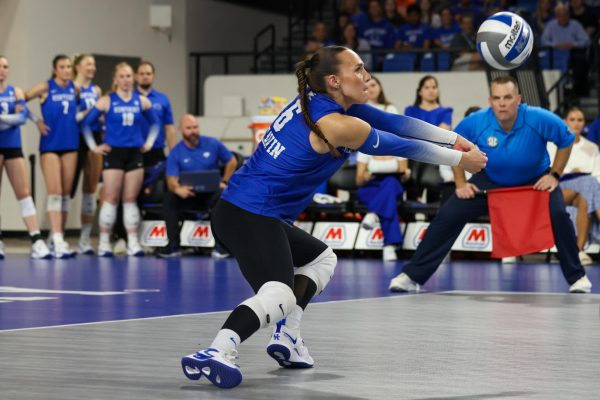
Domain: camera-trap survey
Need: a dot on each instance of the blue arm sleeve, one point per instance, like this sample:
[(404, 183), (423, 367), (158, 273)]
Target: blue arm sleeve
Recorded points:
[(401, 125), (87, 123), (15, 119), (154, 123), (382, 143)]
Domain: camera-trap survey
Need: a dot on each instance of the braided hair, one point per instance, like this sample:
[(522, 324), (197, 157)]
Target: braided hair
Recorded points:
[(311, 72)]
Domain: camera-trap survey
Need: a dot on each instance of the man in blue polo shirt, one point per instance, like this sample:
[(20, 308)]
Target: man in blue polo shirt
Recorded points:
[(144, 77), (193, 153), (514, 137)]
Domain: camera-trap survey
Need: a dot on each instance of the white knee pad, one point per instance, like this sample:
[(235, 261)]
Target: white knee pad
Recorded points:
[(54, 202), (108, 214), (65, 204), (131, 215), (27, 207), (320, 270), (273, 302), (88, 204)]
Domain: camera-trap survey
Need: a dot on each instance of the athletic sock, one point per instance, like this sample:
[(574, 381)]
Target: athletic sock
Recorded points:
[(58, 237), (105, 237), (86, 231), (226, 340), (292, 321), (132, 238)]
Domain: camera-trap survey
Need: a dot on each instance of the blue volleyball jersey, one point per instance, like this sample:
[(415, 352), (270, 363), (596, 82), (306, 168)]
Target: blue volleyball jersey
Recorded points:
[(9, 138), (281, 176), (59, 110), (123, 127), (210, 153), (162, 108), (88, 96), (520, 155), (434, 117)]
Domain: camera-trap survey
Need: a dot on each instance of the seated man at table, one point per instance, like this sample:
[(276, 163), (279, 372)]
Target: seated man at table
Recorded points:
[(193, 153)]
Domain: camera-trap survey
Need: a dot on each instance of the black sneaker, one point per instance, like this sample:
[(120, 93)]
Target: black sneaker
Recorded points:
[(168, 252)]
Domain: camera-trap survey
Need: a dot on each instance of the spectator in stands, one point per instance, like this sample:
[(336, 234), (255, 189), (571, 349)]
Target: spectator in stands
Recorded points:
[(352, 8), (565, 34), (320, 38), (543, 14), (351, 40), (580, 185), (466, 7), (586, 17), (377, 30), (428, 14), (378, 185), (192, 153), (465, 41), (413, 34), (593, 132), (391, 13), (427, 107), (343, 19), (514, 137), (442, 36)]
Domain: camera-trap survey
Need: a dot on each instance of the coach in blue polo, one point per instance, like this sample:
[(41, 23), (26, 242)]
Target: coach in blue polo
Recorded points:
[(514, 137), (192, 153)]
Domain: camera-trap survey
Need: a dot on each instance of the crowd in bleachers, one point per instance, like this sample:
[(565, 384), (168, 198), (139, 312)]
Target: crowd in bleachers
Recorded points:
[(377, 26)]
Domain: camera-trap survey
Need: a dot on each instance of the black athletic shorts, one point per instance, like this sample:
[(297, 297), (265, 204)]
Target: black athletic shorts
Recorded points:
[(153, 157), (10, 153), (266, 248), (125, 158), (59, 153)]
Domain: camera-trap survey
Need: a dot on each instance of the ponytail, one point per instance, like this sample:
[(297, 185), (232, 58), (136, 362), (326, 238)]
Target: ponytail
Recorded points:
[(311, 72)]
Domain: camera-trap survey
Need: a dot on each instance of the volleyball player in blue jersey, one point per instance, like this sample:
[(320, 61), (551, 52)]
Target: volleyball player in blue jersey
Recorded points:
[(309, 140), (123, 146), (58, 146), (13, 113), (89, 163)]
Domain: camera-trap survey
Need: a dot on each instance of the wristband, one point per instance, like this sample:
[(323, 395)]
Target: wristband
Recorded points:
[(556, 175)]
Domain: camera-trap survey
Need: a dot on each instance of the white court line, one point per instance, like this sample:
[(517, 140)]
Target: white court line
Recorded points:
[(406, 295), (204, 313)]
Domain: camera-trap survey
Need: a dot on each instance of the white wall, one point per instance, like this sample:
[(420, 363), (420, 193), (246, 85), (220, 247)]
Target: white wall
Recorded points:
[(459, 90), (33, 31)]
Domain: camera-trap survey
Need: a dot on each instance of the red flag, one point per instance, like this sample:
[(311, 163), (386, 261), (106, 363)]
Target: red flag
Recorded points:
[(520, 219)]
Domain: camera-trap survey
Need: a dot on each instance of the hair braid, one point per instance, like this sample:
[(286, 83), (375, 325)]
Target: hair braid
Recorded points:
[(302, 85)]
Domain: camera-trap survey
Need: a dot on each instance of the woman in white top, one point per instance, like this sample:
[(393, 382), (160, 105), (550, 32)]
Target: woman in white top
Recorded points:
[(580, 184), (378, 185)]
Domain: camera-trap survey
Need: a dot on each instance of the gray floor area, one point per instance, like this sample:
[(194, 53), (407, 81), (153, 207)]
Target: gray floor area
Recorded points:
[(457, 345)]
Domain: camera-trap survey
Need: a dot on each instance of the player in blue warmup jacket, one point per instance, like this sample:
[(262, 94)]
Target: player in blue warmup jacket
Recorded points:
[(58, 146), (123, 147), (13, 113), (309, 140), (89, 162)]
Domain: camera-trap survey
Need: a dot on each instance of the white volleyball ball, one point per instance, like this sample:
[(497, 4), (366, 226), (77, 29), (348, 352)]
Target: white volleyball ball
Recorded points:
[(505, 40)]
